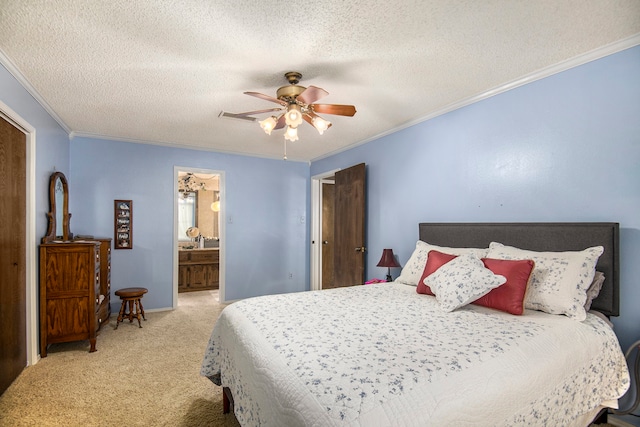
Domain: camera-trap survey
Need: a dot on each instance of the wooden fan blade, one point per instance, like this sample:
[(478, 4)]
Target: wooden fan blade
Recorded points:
[(251, 113), (340, 110), (281, 123), (224, 114), (266, 97), (309, 116), (311, 95)]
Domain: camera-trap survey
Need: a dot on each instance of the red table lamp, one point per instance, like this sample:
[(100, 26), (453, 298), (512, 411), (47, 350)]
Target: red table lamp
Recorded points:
[(388, 260)]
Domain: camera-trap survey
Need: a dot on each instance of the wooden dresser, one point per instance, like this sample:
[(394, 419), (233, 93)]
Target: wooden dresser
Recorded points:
[(104, 311), (198, 269), (75, 280)]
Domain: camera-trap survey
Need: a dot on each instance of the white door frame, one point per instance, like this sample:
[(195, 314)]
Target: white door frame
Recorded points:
[(30, 231), (221, 225), (316, 227)]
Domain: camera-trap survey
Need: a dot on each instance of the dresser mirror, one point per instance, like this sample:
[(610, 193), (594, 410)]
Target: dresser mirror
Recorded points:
[(58, 215)]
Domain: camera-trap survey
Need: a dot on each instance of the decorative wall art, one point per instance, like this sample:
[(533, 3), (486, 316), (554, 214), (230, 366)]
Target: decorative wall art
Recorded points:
[(123, 224)]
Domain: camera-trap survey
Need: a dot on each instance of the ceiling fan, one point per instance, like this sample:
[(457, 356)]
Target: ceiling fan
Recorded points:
[(297, 103)]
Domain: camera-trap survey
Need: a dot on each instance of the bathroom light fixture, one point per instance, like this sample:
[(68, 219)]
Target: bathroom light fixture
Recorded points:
[(215, 206), (191, 183)]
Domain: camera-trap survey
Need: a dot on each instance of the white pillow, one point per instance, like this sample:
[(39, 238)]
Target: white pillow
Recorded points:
[(412, 270), (461, 281), (594, 289), (559, 280)]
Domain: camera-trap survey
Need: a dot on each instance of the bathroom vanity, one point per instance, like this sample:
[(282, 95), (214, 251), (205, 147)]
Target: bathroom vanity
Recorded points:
[(198, 269)]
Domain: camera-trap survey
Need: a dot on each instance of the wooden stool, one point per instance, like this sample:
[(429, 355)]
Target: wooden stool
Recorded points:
[(133, 297)]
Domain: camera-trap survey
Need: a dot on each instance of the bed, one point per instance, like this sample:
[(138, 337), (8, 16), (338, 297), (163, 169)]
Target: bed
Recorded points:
[(386, 355)]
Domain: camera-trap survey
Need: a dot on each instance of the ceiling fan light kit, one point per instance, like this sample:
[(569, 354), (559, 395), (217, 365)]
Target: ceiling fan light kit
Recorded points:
[(320, 124), (297, 104), (268, 124), (293, 116), (291, 134)]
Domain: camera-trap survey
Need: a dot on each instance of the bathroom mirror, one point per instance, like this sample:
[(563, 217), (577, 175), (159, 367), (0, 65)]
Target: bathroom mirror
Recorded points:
[(198, 205), (58, 215), (187, 210)]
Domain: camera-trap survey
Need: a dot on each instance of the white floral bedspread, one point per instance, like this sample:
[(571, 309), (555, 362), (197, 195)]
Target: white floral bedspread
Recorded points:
[(383, 355)]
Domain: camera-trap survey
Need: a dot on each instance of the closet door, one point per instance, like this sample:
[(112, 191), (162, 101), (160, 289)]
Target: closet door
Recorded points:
[(13, 333)]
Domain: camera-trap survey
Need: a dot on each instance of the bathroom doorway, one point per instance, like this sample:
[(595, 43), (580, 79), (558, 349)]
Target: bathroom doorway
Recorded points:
[(198, 231)]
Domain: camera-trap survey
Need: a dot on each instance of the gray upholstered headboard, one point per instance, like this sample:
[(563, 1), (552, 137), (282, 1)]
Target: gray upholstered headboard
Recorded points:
[(567, 236)]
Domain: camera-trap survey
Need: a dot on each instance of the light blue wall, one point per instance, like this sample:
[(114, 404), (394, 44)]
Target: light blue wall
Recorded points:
[(264, 198), (564, 148), (52, 142)]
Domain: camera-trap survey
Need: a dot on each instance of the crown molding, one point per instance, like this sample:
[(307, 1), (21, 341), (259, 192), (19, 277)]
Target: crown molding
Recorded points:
[(89, 135), (593, 55), (576, 61), (15, 72)]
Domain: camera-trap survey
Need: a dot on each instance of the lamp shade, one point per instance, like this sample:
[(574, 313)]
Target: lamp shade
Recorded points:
[(320, 124), (291, 134), (388, 259), (293, 116), (268, 124)]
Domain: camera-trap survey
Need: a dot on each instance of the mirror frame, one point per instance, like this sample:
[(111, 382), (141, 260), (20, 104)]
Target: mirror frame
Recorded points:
[(52, 233)]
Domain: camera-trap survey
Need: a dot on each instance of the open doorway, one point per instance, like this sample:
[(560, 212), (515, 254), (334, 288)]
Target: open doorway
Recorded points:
[(318, 221), (21, 270), (199, 242)]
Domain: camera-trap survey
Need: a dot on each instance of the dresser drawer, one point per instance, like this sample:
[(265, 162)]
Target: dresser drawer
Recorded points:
[(199, 256), (204, 256)]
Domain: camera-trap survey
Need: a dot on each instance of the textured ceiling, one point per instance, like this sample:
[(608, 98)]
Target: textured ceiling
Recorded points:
[(161, 71)]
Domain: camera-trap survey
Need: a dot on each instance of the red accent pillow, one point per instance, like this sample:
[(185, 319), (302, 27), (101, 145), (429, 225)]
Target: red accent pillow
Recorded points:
[(435, 260), (508, 297)]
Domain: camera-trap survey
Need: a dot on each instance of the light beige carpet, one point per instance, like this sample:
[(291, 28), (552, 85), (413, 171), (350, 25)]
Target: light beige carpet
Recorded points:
[(138, 377)]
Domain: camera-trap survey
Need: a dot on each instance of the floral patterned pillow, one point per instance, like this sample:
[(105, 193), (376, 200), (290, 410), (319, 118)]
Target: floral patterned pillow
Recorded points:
[(461, 281), (594, 289), (559, 281), (412, 270)]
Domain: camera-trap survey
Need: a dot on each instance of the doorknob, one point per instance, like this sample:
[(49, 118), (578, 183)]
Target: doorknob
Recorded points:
[(325, 242), (361, 249)]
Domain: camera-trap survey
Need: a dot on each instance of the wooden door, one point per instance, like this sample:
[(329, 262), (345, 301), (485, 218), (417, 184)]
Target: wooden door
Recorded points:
[(349, 226), (328, 202), (13, 211)]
